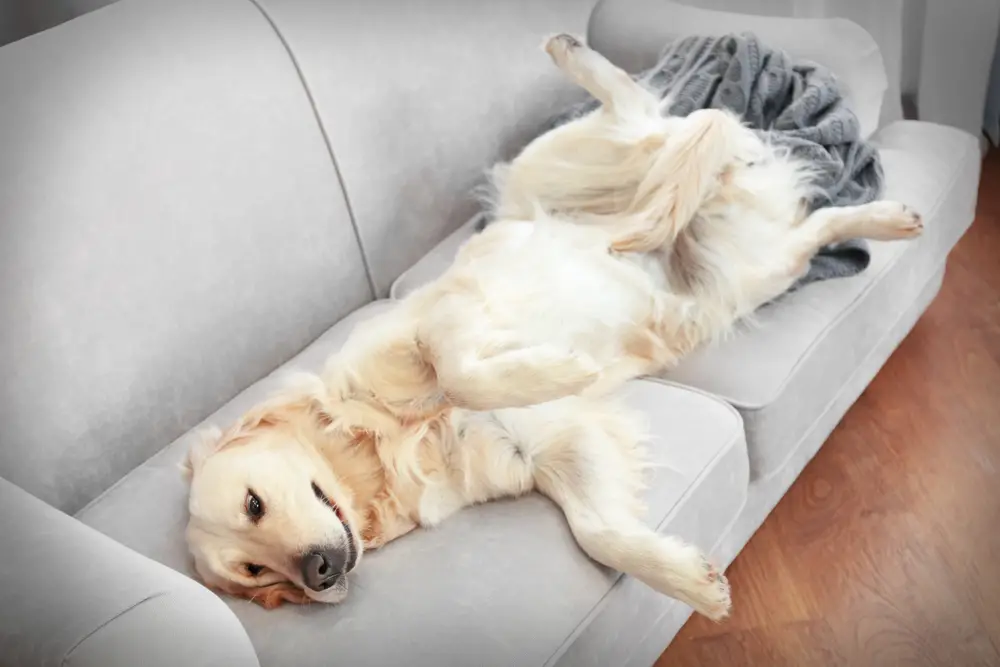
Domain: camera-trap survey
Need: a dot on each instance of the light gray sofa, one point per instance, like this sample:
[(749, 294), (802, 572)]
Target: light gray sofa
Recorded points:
[(198, 195)]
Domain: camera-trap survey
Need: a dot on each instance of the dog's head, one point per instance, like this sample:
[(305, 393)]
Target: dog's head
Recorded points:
[(282, 503), (270, 520)]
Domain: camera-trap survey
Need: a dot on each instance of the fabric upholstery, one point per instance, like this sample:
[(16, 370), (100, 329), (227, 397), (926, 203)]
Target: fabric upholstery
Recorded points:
[(418, 97), (172, 230), (499, 584), (631, 33), (75, 598)]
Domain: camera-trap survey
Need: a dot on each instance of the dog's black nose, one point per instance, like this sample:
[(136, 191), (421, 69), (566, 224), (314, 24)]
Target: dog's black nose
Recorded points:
[(321, 567)]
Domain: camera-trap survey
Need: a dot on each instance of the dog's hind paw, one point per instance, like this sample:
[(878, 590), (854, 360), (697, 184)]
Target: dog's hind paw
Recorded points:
[(892, 220), (714, 599), (559, 46), (689, 577)]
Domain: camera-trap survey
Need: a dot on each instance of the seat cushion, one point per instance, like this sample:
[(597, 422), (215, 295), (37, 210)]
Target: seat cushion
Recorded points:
[(498, 584), (784, 371)]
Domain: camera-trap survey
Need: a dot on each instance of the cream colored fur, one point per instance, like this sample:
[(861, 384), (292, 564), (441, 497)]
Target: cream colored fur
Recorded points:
[(625, 239)]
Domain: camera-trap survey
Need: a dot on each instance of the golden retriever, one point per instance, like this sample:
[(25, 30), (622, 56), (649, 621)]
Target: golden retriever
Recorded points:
[(285, 503), (625, 240)]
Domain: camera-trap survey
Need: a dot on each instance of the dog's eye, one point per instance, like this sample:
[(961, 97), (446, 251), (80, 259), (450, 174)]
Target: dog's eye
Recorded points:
[(254, 507), (253, 569)]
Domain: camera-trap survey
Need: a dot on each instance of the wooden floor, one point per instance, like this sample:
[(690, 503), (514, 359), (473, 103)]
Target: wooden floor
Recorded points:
[(886, 551)]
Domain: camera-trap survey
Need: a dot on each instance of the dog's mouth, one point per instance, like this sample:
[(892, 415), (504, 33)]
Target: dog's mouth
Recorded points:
[(352, 545)]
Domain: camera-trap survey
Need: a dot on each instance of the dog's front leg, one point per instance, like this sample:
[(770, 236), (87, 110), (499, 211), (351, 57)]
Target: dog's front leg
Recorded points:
[(512, 378)]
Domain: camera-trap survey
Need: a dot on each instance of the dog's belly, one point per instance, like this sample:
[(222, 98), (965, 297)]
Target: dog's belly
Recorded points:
[(557, 283)]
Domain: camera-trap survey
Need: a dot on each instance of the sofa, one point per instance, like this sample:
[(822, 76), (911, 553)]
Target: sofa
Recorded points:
[(200, 196)]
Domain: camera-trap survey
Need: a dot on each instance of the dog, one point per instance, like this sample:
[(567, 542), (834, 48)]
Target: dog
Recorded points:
[(625, 239), (285, 503), (711, 211)]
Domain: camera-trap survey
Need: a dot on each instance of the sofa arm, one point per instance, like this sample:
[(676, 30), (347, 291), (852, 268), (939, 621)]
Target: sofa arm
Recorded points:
[(632, 33), (76, 597)]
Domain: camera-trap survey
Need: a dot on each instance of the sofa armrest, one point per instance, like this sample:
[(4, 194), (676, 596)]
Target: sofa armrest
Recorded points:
[(77, 597), (632, 33)]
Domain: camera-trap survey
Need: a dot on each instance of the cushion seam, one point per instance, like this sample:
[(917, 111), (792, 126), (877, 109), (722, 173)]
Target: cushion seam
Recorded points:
[(714, 398), (314, 107)]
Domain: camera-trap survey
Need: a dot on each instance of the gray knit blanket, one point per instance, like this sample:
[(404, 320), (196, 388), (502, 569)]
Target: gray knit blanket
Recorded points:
[(793, 105)]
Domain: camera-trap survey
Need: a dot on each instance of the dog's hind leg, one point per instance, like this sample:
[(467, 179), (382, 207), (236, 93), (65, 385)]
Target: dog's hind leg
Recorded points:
[(880, 220), (689, 159), (617, 92), (685, 174), (593, 473)]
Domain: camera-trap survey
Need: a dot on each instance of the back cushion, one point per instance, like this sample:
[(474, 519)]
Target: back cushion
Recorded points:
[(172, 229), (419, 97)]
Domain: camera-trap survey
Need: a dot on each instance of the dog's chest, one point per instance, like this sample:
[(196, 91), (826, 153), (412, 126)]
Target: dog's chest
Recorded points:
[(439, 501)]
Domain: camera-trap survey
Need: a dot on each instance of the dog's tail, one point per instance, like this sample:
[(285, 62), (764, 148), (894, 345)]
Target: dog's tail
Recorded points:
[(685, 173)]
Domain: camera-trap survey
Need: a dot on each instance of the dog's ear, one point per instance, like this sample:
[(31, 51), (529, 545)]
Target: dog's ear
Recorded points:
[(207, 442), (268, 597), (273, 596), (306, 399), (307, 394)]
